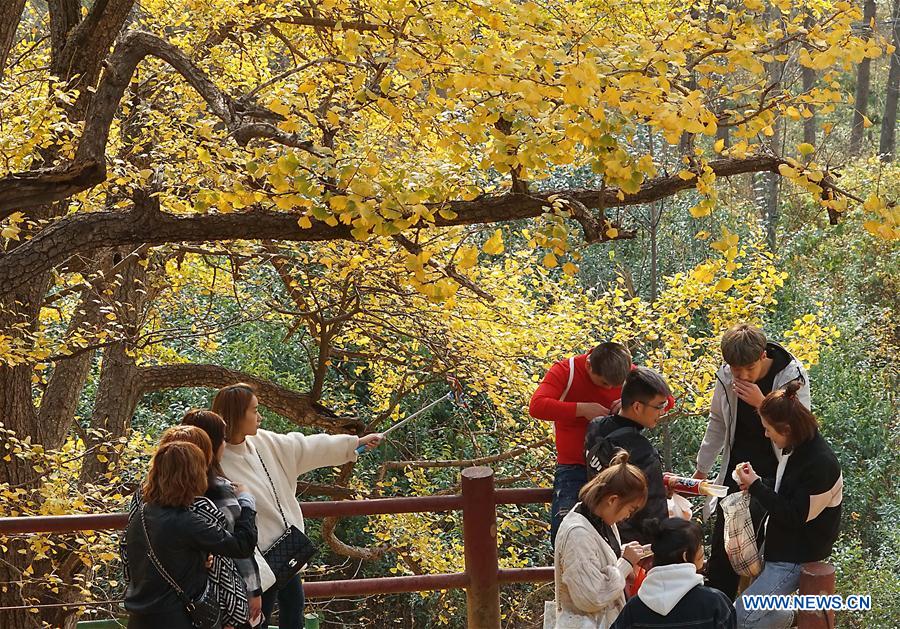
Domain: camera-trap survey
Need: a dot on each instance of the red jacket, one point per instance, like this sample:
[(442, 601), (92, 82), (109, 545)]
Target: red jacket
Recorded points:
[(569, 429)]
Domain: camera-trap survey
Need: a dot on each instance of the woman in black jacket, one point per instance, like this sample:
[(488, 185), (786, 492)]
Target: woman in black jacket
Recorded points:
[(181, 539), (804, 508)]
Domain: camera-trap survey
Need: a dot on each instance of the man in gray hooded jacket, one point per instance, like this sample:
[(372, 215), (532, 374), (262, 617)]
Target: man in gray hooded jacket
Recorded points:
[(753, 368)]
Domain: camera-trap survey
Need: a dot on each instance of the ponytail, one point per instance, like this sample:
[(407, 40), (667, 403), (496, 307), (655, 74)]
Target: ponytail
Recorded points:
[(619, 479), (674, 540), (784, 411)]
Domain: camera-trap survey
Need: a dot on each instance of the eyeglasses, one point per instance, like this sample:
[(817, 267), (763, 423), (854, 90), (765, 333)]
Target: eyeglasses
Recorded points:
[(660, 407)]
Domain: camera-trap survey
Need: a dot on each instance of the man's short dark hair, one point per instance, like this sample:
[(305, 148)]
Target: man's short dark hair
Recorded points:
[(611, 361), (743, 344), (642, 385)]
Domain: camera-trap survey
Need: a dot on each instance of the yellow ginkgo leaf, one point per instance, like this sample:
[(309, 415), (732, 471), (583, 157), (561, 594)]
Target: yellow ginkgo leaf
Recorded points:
[(494, 244), (724, 284)]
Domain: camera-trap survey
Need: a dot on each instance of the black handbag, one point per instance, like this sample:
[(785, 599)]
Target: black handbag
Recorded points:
[(204, 610), (292, 550)]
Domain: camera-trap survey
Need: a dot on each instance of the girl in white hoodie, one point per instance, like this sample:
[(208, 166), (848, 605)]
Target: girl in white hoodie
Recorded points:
[(591, 564), (673, 594)]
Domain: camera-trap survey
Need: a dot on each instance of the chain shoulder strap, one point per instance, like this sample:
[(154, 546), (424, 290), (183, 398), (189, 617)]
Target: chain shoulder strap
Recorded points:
[(156, 562), (272, 485)]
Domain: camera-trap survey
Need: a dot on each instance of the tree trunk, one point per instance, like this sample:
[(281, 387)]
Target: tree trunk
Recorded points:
[(863, 81), (10, 14), (119, 390), (809, 81), (18, 312), (769, 193), (655, 216), (887, 142)]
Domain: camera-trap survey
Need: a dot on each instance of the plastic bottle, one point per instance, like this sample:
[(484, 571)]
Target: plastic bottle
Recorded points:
[(694, 486)]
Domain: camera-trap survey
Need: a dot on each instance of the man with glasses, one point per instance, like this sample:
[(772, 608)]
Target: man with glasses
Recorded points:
[(645, 399)]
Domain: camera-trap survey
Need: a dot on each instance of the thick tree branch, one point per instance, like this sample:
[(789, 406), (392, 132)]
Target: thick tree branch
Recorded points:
[(321, 23), (485, 460), (64, 16), (88, 44), (297, 407), (44, 186), (83, 232)]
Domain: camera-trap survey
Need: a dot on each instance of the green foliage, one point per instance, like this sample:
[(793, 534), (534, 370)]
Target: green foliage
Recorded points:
[(874, 570)]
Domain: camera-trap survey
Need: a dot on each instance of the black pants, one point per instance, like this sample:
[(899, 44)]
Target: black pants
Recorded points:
[(719, 573), (290, 604)]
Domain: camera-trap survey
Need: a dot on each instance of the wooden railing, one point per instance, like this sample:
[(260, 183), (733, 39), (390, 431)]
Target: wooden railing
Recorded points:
[(478, 501)]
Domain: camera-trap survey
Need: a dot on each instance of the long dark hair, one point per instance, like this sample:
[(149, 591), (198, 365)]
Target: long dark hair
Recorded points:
[(214, 427), (231, 403)]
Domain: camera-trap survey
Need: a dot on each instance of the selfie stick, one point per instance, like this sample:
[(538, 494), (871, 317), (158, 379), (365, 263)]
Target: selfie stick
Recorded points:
[(449, 396)]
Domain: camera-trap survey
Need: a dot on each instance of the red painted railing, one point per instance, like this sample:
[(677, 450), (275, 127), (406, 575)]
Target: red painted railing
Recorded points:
[(478, 501), (482, 577)]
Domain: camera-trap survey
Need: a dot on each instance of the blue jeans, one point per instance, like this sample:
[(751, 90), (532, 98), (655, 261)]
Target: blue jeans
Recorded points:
[(777, 577), (290, 604), (567, 482)]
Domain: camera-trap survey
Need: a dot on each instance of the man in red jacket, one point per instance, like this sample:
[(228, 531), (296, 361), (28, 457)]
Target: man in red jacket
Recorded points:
[(574, 392)]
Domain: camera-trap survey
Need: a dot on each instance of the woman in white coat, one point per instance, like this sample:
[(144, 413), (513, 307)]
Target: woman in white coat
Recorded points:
[(268, 464), (590, 563)]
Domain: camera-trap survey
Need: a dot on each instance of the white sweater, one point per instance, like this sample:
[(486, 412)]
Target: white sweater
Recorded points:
[(286, 457), (590, 579)]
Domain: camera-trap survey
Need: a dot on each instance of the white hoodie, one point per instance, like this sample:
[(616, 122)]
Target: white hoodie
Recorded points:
[(665, 586)]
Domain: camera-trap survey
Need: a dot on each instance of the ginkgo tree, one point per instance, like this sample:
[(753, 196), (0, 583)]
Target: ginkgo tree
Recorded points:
[(128, 128)]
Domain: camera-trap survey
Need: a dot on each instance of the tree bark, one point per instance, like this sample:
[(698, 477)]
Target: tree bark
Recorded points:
[(863, 81), (771, 181), (808, 76), (10, 15), (60, 400), (297, 407), (119, 389), (887, 141), (85, 232)]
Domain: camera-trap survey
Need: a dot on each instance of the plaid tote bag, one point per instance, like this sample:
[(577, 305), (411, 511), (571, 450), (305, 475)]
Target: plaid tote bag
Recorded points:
[(740, 536)]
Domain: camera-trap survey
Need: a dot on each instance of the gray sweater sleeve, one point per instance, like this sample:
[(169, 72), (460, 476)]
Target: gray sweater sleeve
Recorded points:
[(714, 439)]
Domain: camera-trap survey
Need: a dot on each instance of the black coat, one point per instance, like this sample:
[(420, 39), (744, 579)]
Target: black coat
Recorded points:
[(182, 541), (805, 513), (642, 454), (701, 608)]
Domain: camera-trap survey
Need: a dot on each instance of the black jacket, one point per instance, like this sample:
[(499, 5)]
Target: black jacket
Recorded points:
[(182, 541), (642, 454), (805, 513), (701, 608)]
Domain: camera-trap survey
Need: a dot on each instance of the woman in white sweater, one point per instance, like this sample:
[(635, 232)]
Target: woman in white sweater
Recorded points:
[(268, 464), (591, 564)]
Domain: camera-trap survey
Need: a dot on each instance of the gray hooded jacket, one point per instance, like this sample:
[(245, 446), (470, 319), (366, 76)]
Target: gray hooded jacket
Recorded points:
[(723, 415)]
